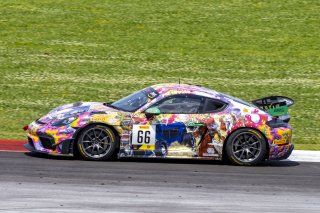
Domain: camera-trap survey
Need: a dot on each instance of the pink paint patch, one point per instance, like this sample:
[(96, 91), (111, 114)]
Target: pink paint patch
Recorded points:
[(12, 146)]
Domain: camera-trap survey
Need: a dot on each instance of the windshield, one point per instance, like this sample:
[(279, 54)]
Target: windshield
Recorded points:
[(132, 102)]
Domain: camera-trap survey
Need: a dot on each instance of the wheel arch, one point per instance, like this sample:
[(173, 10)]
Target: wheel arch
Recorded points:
[(224, 157)]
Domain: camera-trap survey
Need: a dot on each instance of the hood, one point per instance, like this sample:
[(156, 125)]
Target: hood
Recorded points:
[(75, 109)]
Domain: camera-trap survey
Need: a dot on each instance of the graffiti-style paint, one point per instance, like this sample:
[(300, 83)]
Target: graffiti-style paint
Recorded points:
[(166, 135)]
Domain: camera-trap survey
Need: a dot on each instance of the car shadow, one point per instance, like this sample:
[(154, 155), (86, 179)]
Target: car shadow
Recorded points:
[(278, 163), (273, 163), (267, 163), (46, 156)]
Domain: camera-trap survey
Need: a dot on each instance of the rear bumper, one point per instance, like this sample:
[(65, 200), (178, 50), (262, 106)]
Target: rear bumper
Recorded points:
[(280, 142), (280, 152), (287, 154)]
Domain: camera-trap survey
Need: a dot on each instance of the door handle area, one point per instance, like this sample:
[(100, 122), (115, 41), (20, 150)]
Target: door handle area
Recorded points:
[(192, 124)]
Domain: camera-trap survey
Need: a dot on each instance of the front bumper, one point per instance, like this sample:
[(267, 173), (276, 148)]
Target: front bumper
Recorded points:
[(50, 140), (44, 146)]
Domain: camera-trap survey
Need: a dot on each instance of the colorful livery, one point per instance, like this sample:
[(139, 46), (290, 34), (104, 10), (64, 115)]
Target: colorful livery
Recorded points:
[(168, 121)]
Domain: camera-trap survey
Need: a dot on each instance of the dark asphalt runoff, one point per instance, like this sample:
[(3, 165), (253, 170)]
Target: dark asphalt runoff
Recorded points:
[(38, 183)]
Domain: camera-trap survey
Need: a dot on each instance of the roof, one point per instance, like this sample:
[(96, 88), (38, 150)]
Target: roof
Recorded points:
[(169, 89)]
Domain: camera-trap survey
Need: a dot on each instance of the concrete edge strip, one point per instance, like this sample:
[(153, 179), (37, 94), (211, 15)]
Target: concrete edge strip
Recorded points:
[(4, 150), (305, 156)]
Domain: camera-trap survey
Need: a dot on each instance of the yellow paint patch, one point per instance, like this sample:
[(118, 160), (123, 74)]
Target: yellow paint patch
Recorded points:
[(75, 122), (285, 132), (147, 147), (34, 138), (51, 131)]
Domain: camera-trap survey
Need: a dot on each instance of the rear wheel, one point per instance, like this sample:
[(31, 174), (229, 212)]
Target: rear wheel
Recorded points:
[(246, 147), (97, 142)]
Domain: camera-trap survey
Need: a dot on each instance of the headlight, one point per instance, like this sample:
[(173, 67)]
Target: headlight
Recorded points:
[(65, 121)]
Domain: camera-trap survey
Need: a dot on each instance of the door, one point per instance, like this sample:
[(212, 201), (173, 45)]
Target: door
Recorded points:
[(173, 131)]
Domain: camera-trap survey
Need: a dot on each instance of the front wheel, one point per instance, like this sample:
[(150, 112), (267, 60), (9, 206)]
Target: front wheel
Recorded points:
[(97, 142), (246, 147)]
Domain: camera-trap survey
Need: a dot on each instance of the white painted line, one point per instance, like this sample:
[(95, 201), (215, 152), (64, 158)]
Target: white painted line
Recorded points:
[(305, 156)]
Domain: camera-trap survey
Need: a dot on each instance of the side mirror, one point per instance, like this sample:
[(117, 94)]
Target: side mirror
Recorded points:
[(152, 111)]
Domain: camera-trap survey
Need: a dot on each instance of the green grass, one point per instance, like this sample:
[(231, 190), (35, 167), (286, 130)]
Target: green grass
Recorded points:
[(56, 52)]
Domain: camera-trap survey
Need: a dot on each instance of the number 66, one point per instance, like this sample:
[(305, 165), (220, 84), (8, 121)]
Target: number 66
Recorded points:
[(143, 138)]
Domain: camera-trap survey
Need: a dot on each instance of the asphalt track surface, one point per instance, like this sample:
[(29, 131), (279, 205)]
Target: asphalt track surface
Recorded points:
[(40, 183)]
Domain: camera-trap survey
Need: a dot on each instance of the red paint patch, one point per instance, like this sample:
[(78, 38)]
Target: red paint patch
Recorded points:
[(12, 146)]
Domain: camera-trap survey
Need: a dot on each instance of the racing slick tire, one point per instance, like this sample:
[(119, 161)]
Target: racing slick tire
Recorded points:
[(97, 142), (246, 147)]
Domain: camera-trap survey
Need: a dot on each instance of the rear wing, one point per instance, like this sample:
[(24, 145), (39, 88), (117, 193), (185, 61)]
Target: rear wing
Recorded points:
[(274, 105)]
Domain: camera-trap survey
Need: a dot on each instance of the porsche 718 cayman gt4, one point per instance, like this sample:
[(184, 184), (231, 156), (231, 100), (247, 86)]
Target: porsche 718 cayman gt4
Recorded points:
[(168, 121)]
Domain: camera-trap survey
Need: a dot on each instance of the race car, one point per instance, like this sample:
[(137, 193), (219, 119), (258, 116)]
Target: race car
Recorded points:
[(168, 121)]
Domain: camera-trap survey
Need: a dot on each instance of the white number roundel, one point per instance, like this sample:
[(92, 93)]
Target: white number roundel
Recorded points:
[(143, 135)]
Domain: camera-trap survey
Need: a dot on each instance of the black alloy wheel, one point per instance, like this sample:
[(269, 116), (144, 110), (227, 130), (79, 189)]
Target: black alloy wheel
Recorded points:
[(246, 147), (97, 142)]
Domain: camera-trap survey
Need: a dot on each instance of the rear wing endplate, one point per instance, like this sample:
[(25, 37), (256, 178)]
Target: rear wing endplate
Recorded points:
[(274, 105)]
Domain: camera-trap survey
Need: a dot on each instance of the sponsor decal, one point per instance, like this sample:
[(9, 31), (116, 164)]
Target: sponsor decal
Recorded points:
[(99, 118), (281, 110), (144, 127), (144, 135), (280, 142)]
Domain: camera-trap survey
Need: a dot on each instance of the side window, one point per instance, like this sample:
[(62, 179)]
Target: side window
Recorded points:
[(212, 105), (181, 104)]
